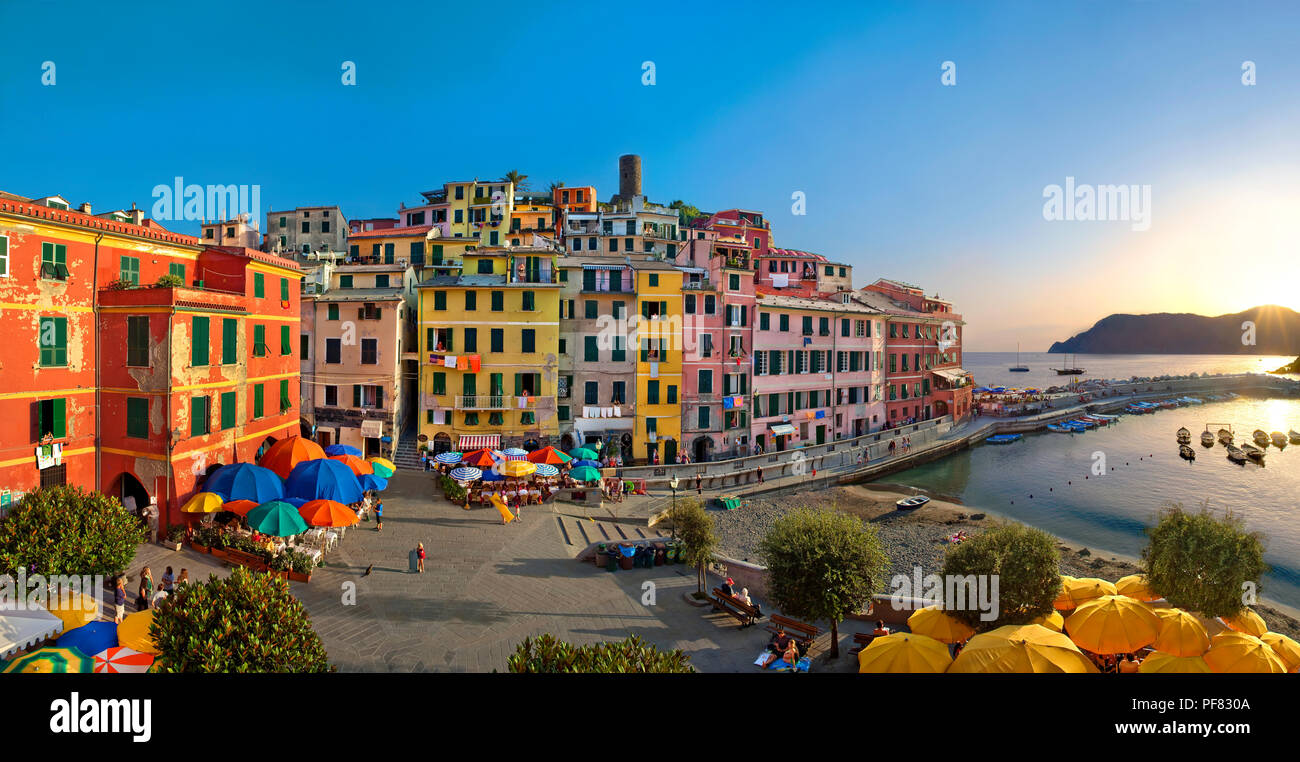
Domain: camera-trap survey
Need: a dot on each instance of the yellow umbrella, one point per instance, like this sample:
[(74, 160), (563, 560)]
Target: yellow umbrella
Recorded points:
[(50, 660), (904, 652), (1181, 634), (1021, 648), (1053, 621), (1113, 624), (385, 462), (1286, 649), (1063, 597), (1159, 663), (203, 502), (934, 622), (1136, 586), (1246, 621), (133, 632), (74, 609), (518, 467), (1239, 652), (1082, 590)]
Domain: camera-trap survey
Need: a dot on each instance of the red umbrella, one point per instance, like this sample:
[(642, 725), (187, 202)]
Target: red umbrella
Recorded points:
[(549, 455), (239, 507), (287, 453), (357, 465), (327, 513), (481, 458)]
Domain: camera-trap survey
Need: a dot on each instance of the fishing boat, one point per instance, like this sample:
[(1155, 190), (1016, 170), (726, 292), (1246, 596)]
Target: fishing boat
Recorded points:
[(1167, 404), (1060, 428), (1279, 439), (911, 503), (1106, 417), (1018, 368), (1004, 438), (1236, 455), (1068, 370), (1194, 401), (1225, 436), (1253, 452), (1295, 436), (1186, 453), (1207, 438), (1184, 436), (1261, 437), (1083, 423)]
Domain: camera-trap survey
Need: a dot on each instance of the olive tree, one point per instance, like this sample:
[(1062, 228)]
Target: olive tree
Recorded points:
[(1203, 563), (1025, 564), (694, 527)]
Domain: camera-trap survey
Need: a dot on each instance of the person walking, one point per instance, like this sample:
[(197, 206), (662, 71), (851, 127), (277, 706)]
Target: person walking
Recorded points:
[(168, 581), (119, 600), (184, 579), (146, 590), (759, 469), (424, 459), (379, 515), (699, 489), (419, 557)]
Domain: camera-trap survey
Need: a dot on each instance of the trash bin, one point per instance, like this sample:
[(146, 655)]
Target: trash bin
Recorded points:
[(647, 557), (611, 562), (661, 553), (627, 554), (602, 555)]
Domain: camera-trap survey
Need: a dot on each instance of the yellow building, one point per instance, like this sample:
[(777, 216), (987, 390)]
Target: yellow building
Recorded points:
[(480, 210), (658, 428), (531, 215), (490, 351)]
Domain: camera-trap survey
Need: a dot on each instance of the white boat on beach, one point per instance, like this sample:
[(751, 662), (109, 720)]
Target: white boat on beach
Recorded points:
[(1279, 439), (911, 503)]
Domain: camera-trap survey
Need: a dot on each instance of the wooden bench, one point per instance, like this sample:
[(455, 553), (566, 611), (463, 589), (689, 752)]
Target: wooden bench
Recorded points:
[(862, 639), (801, 631), (738, 609)]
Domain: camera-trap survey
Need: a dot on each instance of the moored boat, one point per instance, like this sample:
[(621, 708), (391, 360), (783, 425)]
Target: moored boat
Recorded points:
[(1236, 455), (1186, 452), (1225, 436), (1207, 439), (1295, 436), (1261, 437), (1279, 439), (1184, 436), (911, 503), (1059, 428), (1252, 451), (1004, 438)]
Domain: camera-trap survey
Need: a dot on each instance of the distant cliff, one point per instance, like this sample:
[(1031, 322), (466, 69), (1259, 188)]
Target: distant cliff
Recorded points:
[(1276, 332), (1290, 368)]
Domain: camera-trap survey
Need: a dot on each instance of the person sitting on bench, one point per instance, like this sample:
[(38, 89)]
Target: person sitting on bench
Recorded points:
[(780, 642), (881, 630), (744, 596), (726, 587)]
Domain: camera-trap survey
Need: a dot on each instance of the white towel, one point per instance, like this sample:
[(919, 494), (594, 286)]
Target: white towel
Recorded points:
[(608, 412), (654, 370), (780, 280), (449, 361)]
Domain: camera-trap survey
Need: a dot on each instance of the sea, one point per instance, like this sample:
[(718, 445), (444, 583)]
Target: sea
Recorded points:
[(1047, 479)]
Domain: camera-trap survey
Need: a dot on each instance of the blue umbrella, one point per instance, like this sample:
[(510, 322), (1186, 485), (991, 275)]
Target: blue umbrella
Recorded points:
[(245, 481), (370, 482), (342, 449), (450, 458), (492, 475), (323, 479), (591, 463), (546, 469), (514, 451), (90, 638), (466, 474), (296, 502)]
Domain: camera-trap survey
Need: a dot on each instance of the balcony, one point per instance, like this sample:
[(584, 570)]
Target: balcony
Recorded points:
[(495, 402)]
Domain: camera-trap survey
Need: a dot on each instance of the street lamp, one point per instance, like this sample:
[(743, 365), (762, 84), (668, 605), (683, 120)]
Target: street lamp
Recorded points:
[(673, 482)]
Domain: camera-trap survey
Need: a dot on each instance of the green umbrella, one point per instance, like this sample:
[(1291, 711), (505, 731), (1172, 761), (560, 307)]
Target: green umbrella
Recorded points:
[(583, 453), (51, 660), (382, 471), (276, 518), (584, 474)]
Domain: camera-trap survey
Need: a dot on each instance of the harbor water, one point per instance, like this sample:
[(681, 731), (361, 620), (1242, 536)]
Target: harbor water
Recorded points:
[(990, 368)]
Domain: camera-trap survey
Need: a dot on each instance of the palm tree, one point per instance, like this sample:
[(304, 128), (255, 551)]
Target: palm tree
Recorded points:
[(556, 185), (513, 176)]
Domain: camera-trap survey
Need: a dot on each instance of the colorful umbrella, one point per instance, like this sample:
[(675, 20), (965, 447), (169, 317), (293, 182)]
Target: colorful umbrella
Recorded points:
[(385, 463), (450, 458), (1053, 621), (50, 660), (549, 455), (372, 483), (1021, 648), (327, 513), (480, 458), (382, 471), (245, 481), (1079, 591), (296, 502), (1136, 586), (1113, 624), (1181, 634), (546, 469), (277, 518), (357, 465), (239, 507), (1160, 663), (518, 468), (586, 462), (342, 449), (122, 659), (583, 453), (282, 456), (203, 502), (466, 474), (1238, 652), (133, 632), (90, 638), (584, 474), (934, 622), (1286, 649), (324, 479), (1246, 621), (73, 609), (904, 652), (492, 475)]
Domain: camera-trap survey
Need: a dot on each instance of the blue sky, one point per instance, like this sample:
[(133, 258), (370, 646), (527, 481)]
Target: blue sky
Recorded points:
[(904, 177)]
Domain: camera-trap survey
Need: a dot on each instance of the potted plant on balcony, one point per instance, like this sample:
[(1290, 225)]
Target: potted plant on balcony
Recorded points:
[(169, 281)]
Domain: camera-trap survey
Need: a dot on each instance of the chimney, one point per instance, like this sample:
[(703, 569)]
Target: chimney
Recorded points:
[(629, 176), (84, 208), (137, 215)]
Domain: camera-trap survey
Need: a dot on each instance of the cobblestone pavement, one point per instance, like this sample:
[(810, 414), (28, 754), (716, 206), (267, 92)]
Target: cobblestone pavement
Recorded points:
[(486, 588)]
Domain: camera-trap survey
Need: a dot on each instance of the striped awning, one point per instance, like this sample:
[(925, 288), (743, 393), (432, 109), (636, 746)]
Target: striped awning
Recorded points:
[(478, 441), (618, 266), (782, 429)]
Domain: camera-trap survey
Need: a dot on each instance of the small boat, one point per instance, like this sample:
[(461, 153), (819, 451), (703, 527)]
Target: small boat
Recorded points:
[(1059, 428), (1004, 438), (1083, 423), (1018, 368), (1194, 401), (1207, 439), (911, 503), (1279, 439), (1252, 451), (1106, 417), (1236, 455), (1260, 437), (1096, 420), (1225, 436), (1295, 436), (1186, 453), (1068, 370), (1184, 436), (1167, 404)]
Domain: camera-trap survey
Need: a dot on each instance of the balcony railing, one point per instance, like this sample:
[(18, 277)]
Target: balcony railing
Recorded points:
[(494, 402)]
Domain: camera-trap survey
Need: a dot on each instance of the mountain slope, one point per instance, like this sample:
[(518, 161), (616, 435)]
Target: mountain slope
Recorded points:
[(1276, 332)]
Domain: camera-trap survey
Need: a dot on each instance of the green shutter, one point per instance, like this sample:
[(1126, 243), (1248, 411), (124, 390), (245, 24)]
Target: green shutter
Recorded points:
[(259, 341), (259, 285), (199, 342), (590, 349), (285, 402), (284, 340), (228, 410), (198, 416), (52, 341), (4, 255), (356, 395), (439, 382), (284, 289), (229, 341), (257, 401), (519, 384), (177, 269), (60, 423), (137, 417), (440, 300), (333, 312)]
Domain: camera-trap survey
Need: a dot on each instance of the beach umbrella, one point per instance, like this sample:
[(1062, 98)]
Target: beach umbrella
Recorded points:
[(245, 481), (1023, 649), (1053, 621), (546, 469), (1063, 597), (327, 513), (1181, 634), (50, 660), (372, 483), (1136, 586), (904, 652), (549, 455), (73, 609), (480, 458), (383, 463), (1082, 590), (1246, 621), (1238, 652), (586, 462), (1160, 663), (450, 458), (277, 518), (382, 471), (1286, 649), (296, 502), (133, 632), (1113, 624), (491, 475), (583, 453), (466, 474), (357, 465), (282, 456), (122, 659), (518, 468), (239, 507), (324, 480), (342, 449), (90, 638), (203, 502), (584, 474), (934, 622)]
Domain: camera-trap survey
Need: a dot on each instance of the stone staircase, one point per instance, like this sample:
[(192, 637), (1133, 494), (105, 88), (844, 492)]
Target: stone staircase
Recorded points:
[(578, 532), (407, 454)]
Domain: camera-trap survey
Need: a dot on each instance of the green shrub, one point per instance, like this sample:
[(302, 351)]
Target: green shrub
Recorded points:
[(1202, 563), (1026, 564), (169, 281), (300, 562), (548, 655), (693, 525), (67, 530)]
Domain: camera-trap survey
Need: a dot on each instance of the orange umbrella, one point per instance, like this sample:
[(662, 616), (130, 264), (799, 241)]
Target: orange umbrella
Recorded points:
[(549, 455), (239, 507), (327, 513), (480, 458), (357, 465), (282, 456)]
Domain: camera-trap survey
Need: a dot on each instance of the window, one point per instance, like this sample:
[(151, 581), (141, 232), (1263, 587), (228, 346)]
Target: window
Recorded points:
[(619, 353), (528, 301), (333, 351), (53, 418), (177, 269), (485, 267), (137, 417), (331, 396), (286, 346), (672, 394), (304, 346), (54, 260), (654, 280), (528, 340), (199, 343), (370, 351), (563, 412), (306, 226), (129, 270), (764, 321), (259, 285), (228, 407), (591, 393), (785, 322), (332, 312), (688, 304), (652, 392), (471, 301), (591, 309), (285, 402), (259, 341), (704, 417), (284, 289), (4, 256), (620, 392), (439, 382), (498, 301), (733, 282), (345, 281), (471, 339), (440, 300), (590, 350), (137, 341), (498, 340), (258, 399)]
